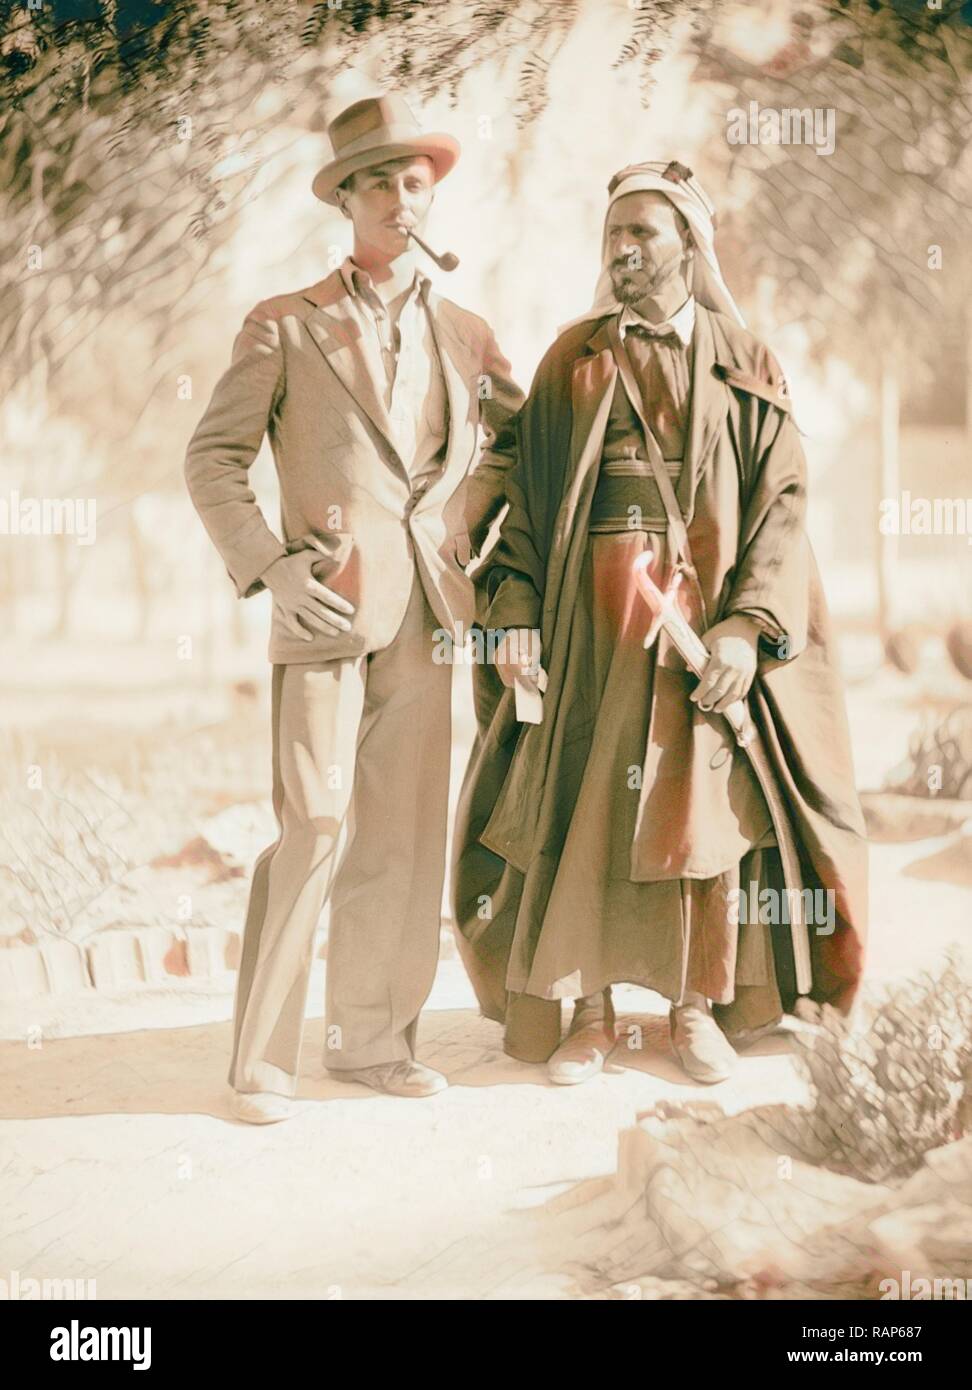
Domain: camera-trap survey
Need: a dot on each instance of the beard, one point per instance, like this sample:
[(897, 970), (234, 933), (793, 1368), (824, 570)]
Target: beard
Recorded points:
[(628, 289), (630, 286)]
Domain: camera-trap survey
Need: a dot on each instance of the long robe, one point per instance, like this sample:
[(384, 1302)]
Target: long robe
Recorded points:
[(742, 492)]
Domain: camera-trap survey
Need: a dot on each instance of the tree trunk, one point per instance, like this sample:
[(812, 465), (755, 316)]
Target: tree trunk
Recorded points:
[(888, 486)]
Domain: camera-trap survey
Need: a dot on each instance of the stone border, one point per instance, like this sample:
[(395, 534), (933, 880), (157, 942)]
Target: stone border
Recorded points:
[(114, 959)]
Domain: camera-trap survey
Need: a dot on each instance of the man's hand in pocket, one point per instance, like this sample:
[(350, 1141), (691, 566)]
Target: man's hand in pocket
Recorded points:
[(304, 602)]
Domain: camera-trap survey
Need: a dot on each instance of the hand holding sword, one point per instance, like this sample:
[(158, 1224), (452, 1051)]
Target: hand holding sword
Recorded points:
[(731, 669), (725, 668), (667, 614)]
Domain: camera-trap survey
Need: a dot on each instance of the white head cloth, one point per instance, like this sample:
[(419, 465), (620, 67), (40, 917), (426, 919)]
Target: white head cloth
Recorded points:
[(685, 192)]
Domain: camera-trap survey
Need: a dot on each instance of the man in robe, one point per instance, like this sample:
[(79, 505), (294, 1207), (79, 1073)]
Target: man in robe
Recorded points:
[(614, 840)]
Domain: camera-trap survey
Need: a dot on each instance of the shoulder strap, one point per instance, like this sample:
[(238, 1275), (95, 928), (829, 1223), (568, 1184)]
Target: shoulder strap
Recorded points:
[(677, 532), (775, 392)]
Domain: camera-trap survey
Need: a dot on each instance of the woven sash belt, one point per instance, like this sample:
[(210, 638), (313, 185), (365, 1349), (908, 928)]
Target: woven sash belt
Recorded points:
[(626, 497)]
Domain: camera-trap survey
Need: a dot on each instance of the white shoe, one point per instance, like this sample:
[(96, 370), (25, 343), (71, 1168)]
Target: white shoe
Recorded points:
[(261, 1107), (582, 1054), (704, 1051)]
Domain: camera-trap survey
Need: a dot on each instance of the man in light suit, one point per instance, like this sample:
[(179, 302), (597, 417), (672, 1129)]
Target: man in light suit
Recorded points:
[(372, 389)]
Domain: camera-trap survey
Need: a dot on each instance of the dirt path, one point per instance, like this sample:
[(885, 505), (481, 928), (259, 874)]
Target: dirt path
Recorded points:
[(121, 1163)]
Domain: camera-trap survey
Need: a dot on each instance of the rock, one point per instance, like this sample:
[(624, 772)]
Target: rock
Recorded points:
[(939, 760), (958, 643), (66, 966), (927, 1240), (155, 945), (715, 1203), (198, 853), (206, 950), (176, 958), (724, 1200), (903, 649), (23, 974), (234, 950), (114, 959), (951, 864), (895, 818)]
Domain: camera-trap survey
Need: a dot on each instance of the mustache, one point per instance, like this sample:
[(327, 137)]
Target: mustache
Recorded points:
[(651, 270)]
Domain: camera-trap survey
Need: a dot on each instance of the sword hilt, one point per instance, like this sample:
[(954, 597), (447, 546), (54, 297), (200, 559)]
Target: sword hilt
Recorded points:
[(665, 613)]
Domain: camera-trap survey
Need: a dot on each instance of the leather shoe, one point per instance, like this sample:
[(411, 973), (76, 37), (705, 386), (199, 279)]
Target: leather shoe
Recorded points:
[(700, 1045), (261, 1107), (581, 1055), (405, 1078)]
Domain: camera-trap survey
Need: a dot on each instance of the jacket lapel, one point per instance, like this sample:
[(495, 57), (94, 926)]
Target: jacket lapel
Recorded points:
[(457, 366), (592, 381), (353, 356), (708, 408), (591, 390)]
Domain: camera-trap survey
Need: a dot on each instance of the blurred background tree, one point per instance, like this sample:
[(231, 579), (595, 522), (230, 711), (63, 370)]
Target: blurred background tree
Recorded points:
[(858, 241), (134, 137)]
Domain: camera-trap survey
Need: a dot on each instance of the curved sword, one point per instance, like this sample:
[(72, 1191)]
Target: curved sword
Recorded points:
[(667, 614)]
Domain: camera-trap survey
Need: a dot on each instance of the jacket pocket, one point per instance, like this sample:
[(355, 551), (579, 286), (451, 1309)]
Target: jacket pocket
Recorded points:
[(338, 566)]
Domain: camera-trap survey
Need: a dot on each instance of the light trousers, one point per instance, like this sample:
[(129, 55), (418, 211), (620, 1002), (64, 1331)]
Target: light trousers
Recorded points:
[(361, 759)]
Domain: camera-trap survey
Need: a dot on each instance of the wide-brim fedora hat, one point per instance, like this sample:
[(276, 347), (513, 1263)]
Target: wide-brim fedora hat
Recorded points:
[(376, 129)]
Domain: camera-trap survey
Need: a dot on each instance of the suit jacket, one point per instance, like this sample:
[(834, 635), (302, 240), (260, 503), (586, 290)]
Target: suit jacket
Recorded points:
[(302, 371)]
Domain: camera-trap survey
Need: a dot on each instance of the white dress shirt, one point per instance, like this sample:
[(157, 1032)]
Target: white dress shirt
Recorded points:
[(414, 387), (682, 321)]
